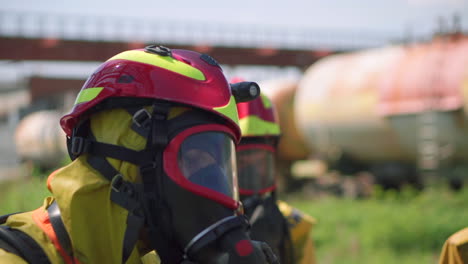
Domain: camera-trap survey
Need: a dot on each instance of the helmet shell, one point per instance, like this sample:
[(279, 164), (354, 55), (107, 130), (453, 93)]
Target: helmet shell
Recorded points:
[(180, 76), (258, 118)]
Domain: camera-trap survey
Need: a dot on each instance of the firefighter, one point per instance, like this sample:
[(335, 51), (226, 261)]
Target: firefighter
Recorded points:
[(455, 250), (152, 138), (284, 228)]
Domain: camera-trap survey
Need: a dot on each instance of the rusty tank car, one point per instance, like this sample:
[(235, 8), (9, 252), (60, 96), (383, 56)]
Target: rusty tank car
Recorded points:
[(282, 93), (393, 110)]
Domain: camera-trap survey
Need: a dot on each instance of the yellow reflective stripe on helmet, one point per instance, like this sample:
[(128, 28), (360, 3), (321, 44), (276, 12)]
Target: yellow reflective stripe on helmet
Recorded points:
[(165, 62), (266, 101), (229, 110), (88, 94), (254, 126)]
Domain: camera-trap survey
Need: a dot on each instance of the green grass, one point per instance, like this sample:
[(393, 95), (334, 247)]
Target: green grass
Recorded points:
[(28, 192), (389, 228), (22, 195)]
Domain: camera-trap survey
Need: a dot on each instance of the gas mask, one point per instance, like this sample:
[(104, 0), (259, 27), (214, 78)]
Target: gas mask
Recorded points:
[(257, 184), (199, 214), (255, 163)]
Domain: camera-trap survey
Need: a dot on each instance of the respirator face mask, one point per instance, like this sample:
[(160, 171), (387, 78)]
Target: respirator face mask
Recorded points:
[(255, 163), (202, 192)]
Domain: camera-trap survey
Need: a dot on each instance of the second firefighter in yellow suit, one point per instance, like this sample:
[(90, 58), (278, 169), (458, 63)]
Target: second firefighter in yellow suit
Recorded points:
[(455, 250), (284, 228)]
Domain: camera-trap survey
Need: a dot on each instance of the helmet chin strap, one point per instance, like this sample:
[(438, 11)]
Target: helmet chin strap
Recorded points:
[(214, 232)]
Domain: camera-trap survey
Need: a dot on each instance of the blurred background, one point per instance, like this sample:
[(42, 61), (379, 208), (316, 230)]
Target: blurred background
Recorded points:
[(372, 97)]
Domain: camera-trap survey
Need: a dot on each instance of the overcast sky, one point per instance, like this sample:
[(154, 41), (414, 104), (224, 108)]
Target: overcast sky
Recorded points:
[(392, 16)]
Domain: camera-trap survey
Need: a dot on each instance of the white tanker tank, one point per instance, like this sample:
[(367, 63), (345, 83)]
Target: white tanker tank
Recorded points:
[(404, 104), (40, 140), (282, 93)]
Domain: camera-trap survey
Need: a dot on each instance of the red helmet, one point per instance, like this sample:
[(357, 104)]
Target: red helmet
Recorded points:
[(166, 78), (255, 154), (157, 72), (137, 78), (258, 118)]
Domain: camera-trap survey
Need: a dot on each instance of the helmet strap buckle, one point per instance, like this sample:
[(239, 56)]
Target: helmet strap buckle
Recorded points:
[(78, 146), (142, 118)]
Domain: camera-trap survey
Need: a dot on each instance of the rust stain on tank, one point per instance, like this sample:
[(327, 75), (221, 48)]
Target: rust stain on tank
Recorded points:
[(373, 100), (427, 77)]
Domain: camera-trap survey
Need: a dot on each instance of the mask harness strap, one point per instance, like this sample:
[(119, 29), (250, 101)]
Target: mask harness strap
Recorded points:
[(143, 201), (123, 193), (287, 250), (251, 204), (255, 206), (152, 173)]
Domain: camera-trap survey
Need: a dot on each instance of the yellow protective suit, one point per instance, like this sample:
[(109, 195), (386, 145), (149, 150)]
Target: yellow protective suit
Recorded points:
[(300, 226), (151, 258), (455, 250), (96, 225)]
